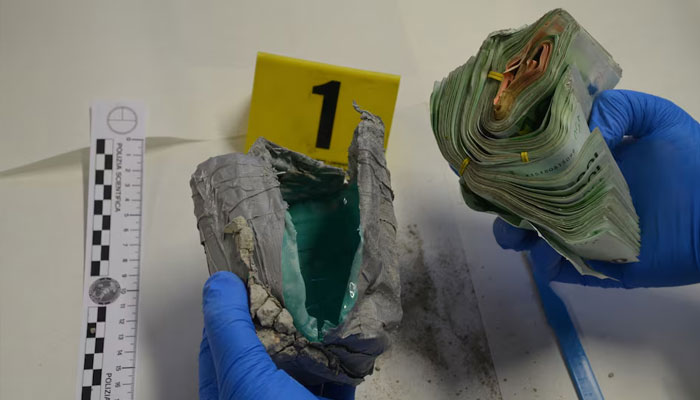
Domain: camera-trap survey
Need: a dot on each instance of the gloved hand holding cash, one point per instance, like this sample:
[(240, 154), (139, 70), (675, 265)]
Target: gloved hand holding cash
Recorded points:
[(657, 146), (512, 122)]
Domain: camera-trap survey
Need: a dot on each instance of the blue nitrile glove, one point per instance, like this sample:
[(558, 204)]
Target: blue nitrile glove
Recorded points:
[(233, 364), (661, 163)]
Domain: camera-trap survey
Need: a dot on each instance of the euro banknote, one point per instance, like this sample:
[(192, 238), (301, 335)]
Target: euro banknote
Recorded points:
[(512, 122)]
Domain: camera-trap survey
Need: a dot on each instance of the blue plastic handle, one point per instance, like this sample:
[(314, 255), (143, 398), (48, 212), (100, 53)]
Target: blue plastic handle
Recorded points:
[(575, 358)]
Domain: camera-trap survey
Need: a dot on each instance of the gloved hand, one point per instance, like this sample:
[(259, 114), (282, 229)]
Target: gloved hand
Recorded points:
[(661, 163), (233, 364)]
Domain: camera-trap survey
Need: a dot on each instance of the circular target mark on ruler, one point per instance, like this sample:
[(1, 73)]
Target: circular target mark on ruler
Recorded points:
[(122, 120), (104, 291)]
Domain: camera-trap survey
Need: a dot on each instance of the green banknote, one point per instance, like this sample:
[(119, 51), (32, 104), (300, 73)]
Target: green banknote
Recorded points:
[(513, 122)]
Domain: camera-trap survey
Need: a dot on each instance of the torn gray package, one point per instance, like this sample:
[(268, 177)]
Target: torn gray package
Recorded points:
[(317, 249)]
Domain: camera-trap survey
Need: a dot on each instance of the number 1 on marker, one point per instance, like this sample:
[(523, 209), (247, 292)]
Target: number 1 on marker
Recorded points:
[(329, 91), (298, 104)]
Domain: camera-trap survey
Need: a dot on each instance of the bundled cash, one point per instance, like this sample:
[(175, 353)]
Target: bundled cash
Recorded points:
[(512, 123)]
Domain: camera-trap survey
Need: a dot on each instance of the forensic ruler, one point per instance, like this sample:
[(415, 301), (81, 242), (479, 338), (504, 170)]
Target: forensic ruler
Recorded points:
[(107, 356)]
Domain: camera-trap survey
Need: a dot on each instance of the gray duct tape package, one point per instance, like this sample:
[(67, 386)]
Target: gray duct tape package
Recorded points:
[(316, 247)]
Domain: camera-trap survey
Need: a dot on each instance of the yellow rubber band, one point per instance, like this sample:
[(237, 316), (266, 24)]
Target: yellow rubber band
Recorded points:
[(464, 166), (495, 75), (524, 157)]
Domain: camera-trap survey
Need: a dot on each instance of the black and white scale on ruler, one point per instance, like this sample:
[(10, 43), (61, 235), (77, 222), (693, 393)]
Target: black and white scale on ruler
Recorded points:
[(107, 360)]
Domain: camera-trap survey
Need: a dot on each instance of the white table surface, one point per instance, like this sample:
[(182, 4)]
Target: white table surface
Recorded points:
[(473, 327)]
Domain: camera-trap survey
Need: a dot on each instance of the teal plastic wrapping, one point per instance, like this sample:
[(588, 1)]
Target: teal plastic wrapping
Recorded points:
[(321, 258)]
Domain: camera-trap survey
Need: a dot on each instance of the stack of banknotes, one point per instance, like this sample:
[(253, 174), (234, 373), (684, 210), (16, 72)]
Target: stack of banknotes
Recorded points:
[(512, 122)]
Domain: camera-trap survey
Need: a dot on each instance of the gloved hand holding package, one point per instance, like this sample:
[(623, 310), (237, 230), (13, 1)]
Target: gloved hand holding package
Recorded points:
[(317, 249), (512, 123)]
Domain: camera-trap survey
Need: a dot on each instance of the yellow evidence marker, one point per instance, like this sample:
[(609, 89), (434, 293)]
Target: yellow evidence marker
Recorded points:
[(307, 106)]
